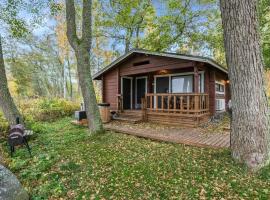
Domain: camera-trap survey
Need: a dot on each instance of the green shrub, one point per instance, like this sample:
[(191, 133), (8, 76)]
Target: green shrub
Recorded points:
[(34, 110), (47, 109), (3, 123)]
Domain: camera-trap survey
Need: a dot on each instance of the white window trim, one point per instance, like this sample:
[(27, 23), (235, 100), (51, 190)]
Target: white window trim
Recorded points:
[(131, 87), (223, 104), (141, 77), (218, 82), (177, 74), (202, 83)]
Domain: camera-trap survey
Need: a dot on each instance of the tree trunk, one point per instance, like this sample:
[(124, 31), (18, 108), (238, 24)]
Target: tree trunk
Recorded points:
[(70, 79), (128, 40), (6, 102), (88, 92), (82, 48), (250, 140)]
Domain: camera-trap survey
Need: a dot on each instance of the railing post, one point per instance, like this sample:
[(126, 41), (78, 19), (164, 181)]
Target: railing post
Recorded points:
[(144, 104), (156, 102), (196, 102), (174, 104), (122, 104), (119, 103), (207, 102), (190, 104)]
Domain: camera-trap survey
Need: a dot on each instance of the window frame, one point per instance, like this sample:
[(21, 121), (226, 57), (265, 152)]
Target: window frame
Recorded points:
[(187, 75), (182, 74), (222, 84)]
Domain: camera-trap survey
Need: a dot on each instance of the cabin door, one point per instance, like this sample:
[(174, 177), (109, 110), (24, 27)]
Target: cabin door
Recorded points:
[(162, 85), (127, 92), (140, 90)]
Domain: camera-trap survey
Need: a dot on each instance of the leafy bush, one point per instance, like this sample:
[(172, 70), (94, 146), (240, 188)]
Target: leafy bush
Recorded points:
[(3, 123), (42, 110), (48, 109)]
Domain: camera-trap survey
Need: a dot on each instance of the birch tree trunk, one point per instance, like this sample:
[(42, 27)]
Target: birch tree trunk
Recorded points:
[(82, 48), (250, 140), (7, 104)]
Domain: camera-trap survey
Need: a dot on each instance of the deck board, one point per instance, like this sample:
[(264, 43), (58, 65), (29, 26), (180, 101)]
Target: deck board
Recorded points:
[(187, 136)]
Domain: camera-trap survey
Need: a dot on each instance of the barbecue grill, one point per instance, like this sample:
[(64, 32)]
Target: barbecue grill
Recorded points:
[(17, 137)]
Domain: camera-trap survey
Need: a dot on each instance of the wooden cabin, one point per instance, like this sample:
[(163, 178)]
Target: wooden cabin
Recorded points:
[(166, 88)]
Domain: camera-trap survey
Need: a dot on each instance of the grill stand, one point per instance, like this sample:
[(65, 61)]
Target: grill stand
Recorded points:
[(12, 147)]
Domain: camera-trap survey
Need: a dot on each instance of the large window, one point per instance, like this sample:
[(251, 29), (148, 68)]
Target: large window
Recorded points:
[(201, 83), (220, 88), (178, 83), (182, 84), (220, 104)]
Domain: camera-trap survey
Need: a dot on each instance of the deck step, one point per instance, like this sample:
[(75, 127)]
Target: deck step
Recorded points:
[(132, 112), (135, 115), (128, 119)]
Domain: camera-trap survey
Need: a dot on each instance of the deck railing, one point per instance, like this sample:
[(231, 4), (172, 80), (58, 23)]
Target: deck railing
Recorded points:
[(120, 102), (180, 103)]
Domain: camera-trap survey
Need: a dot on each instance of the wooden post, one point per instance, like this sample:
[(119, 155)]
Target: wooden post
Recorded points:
[(181, 104), (156, 97), (169, 103), (196, 79), (151, 102), (174, 103), (188, 102), (196, 88), (144, 106), (162, 103)]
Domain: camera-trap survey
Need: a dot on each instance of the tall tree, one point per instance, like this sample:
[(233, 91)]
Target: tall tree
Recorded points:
[(264, 16), (16, 26), (250, 137), (126, 20), (82, 48), (7, 104)]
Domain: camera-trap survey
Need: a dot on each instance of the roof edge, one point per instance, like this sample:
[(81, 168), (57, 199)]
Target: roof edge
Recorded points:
[(164, 54)]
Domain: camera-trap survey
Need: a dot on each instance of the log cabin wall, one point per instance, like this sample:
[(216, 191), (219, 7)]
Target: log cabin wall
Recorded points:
[(212, 92), (110, 88), (223, 78), (141, 64), (147, 65)]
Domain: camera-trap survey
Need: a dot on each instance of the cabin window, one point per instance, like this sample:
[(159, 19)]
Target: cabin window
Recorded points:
[(220, 88), (220, 104), (182, 84), (201, 83), (141, 63)]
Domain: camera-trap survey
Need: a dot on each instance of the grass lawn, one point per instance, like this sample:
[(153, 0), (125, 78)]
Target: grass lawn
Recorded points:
[(70, 164)]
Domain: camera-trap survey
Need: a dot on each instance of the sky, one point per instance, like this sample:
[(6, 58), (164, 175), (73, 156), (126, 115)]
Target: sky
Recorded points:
[(46, 23)]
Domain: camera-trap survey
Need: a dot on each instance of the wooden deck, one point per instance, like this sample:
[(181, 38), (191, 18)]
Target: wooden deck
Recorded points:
[(178, 109), (132, 116), (187, 136)]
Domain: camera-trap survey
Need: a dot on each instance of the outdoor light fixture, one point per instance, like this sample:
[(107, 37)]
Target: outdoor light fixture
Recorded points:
[(164, 71)]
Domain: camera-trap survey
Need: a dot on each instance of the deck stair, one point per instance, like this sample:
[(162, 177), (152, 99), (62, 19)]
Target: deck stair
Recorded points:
[(132, 116)]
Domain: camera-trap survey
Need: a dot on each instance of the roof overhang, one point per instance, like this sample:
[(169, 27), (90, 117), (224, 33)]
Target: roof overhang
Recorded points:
[(163, 54)]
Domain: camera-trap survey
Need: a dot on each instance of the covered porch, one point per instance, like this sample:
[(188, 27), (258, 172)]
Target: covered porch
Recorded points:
[(170, 97)]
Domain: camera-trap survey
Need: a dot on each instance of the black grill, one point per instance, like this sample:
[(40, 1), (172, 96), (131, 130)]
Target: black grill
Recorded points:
[(17, 137)]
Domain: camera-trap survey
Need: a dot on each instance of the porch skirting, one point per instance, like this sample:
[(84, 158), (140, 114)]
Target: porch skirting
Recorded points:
[(177, 120)]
